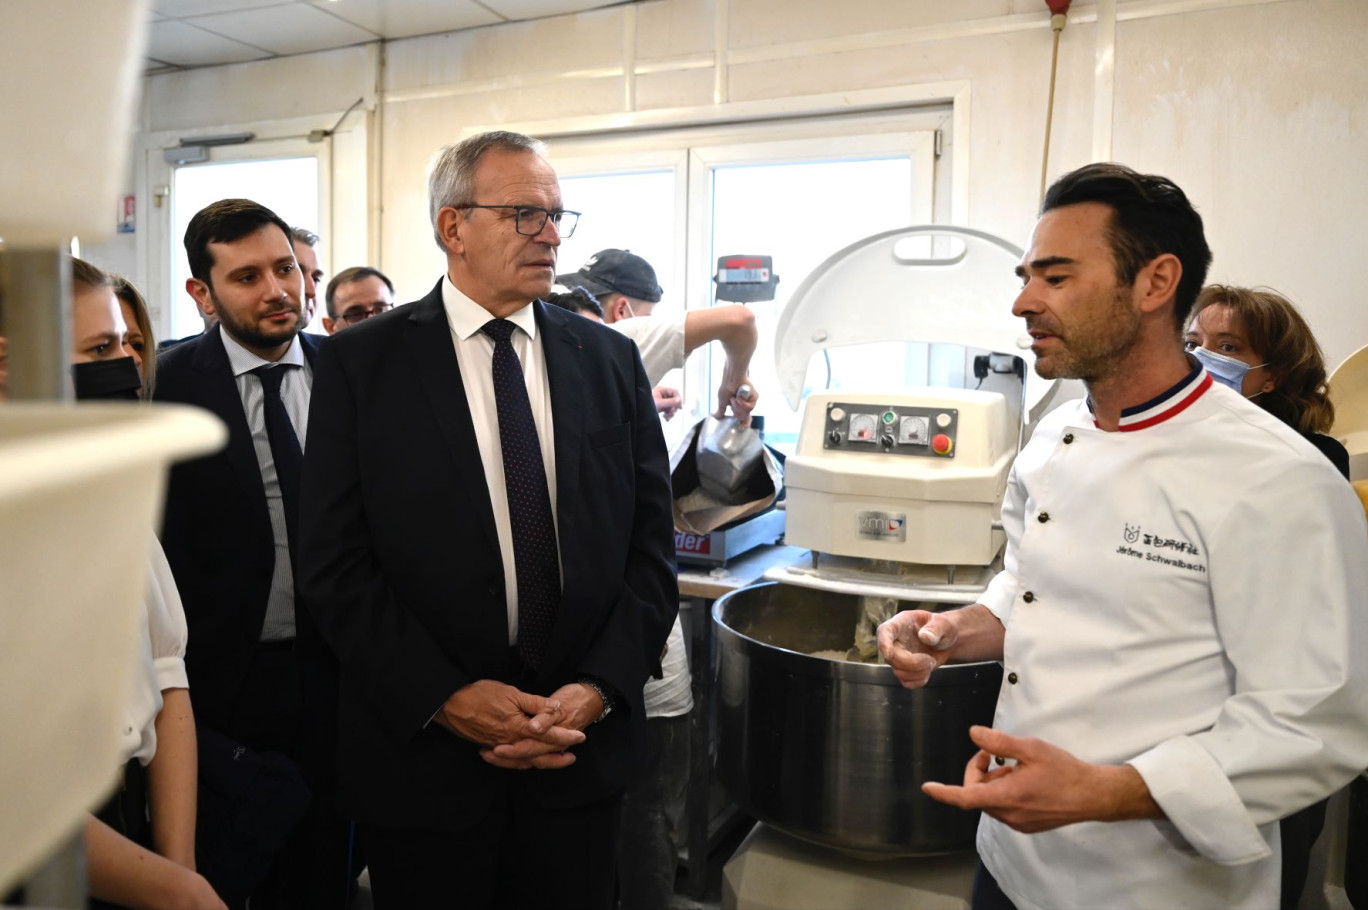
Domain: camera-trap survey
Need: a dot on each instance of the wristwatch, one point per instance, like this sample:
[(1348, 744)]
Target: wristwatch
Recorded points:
[(602, 688)]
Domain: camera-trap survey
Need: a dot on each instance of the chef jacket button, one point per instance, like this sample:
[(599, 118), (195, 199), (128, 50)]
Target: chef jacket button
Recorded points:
[(1029, 597), (1012, 678), (1043, 517), (999, 759), (1068, 438)]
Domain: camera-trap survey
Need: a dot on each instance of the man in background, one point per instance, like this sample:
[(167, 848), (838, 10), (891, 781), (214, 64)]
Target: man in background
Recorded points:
[(654, 804), (355, 295), (626, 289), (305, 244)]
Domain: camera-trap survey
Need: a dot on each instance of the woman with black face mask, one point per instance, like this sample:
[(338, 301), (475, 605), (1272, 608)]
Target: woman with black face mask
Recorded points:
[(140, 846), (101, 365)]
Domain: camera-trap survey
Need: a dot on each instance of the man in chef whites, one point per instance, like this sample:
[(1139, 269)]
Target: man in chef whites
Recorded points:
[(1179, 616)]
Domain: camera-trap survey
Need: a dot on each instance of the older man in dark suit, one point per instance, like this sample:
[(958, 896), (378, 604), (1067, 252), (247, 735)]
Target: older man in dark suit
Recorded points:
[(487, 544), (259, 671)]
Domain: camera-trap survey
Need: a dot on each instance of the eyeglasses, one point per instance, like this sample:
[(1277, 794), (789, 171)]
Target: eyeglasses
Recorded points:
[(530, 220), (358, 314)]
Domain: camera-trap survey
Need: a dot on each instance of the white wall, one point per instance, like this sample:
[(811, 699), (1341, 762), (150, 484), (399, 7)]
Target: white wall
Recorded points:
[(1258, 108)]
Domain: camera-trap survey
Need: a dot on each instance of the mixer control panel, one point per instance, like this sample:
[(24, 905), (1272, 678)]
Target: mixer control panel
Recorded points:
[(893, 429)]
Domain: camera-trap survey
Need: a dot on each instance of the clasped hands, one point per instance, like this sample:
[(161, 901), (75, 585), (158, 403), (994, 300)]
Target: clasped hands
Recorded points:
[(517, 729)]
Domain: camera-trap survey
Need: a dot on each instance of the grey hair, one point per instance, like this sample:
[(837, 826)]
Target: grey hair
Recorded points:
[(304, 236), (451, 176)]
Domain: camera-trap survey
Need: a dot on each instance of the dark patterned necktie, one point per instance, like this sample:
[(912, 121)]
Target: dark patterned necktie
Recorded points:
[(536, 560), (285, 450)]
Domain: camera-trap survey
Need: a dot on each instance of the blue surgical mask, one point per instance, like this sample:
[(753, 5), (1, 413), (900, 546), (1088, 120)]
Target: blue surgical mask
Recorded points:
[(1223, 368)]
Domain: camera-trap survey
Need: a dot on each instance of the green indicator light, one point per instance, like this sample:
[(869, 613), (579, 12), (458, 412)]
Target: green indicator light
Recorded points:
[(889, 417)]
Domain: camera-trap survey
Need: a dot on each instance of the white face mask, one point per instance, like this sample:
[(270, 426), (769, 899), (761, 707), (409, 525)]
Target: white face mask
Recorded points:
[(1223, 368)]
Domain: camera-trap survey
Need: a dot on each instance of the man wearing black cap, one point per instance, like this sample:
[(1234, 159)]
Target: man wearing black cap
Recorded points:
[(625, 285)]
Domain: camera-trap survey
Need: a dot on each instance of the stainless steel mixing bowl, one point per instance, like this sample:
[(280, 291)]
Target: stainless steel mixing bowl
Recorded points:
[(832, 751)]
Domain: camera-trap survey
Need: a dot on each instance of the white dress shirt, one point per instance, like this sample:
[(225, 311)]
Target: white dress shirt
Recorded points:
[(475, 356), (279, 622), (1184, 596)]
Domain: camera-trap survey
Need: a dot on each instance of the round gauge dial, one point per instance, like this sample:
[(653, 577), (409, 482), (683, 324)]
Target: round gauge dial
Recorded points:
[(863, 427)]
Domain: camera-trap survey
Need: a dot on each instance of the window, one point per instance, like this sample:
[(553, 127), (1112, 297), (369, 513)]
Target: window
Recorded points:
[(800, 213), (684, 198), (623, 211)]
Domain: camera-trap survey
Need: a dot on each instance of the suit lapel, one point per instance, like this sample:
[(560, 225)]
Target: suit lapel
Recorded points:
[(561, 345), (429, 337), (221, 396), (309, 342)]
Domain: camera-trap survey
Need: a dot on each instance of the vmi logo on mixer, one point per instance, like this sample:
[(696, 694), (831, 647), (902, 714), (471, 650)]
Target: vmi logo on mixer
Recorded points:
[(881, 525)]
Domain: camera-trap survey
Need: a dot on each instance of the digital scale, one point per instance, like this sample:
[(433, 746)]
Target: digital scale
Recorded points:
[(730, 541)]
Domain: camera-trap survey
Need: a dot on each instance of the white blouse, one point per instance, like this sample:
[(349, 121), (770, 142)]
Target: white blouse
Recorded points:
[(162, 635)]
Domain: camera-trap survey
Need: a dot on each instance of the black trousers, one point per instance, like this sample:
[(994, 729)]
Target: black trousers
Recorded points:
[(649, 854), (1356, 851), (126, 813), (277, 713), (1298, 832), (987, 894), (520, 856)]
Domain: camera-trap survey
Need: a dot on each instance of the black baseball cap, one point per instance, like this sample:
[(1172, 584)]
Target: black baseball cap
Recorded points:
[(616, 272)]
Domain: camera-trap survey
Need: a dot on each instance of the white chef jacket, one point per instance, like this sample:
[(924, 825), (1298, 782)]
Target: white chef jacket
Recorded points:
[(1186, 596), (162, 635), (661, 342)]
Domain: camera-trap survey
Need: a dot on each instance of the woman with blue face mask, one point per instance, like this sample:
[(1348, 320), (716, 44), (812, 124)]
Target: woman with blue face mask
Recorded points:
[(1255, 342)]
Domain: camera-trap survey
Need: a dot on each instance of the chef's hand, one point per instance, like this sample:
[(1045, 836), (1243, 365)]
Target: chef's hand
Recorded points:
[(1046, 788), (916, 642)]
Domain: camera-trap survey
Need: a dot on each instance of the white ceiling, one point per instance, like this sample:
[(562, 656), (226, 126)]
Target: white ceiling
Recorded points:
[(186, 33)]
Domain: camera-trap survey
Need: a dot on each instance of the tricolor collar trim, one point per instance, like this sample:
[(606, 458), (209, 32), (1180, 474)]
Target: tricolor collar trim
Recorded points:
[(1165, 405)]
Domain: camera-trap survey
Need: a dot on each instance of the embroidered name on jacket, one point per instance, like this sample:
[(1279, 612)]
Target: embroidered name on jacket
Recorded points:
[(1168, 551)]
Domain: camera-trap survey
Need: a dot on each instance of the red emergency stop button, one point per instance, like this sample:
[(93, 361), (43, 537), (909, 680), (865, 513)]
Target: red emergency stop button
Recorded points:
[(941, 444)]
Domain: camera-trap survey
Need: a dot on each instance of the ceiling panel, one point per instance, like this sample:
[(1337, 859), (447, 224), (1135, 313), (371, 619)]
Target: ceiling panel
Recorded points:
[(295, 29), (207, 32), (406, 18), (537, 9), (178, 43), (179, 9)]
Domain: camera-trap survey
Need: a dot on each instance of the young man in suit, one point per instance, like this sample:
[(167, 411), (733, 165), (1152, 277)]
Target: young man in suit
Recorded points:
[(487, 544), (261, 673)]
